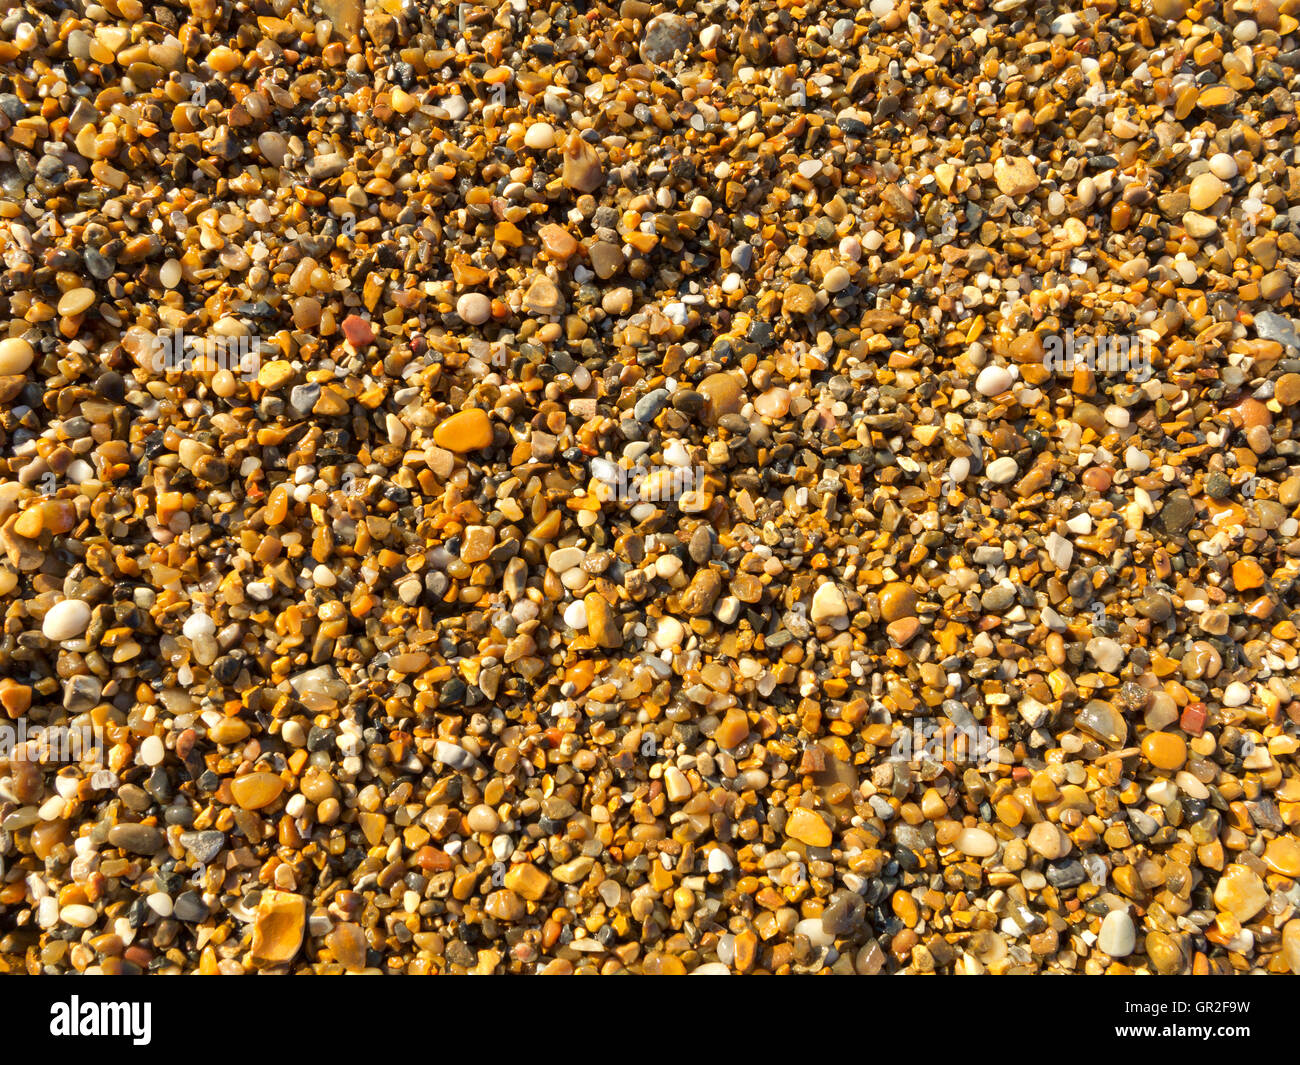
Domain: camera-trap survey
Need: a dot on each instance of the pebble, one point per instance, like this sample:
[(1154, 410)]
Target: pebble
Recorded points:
[(1117, 936), (474, 308), (16, 355), (467, 430), (66, 620)]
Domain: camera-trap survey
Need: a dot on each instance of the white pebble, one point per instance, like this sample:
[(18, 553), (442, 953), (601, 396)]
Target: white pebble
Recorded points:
[(575, 614), (152, 751), (1003, 470), (993, 381), (198, 624), (1236, 694), (1223, 166), (474, 308), (540, 136), (66, 620)]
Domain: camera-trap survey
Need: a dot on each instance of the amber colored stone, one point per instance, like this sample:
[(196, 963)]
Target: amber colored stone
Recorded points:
[(897, 601), (722, 395), (1282, 855), (1247, 574), (732, 731), (807, 827), (256, 790), (1164, 750), (527, 880), (467, 430), (278, 927)]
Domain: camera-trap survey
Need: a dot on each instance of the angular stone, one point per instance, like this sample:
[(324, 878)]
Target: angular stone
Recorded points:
[(583, 171), (731, 733), (278, 927), (828, 604), (527, 880), (808, 828), (1240, 892)]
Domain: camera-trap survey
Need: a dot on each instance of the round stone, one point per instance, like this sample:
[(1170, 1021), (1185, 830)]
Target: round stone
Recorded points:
[(482, 818), (152, 751), (722, 395), (253, 791), (76, 301), (16, 355), (976, 842), (897, 601), (993, 381), (1003, 470), (540, 136), (665, 35), (1164, 750), (1205, 191), (1223, 166), (474, 308)]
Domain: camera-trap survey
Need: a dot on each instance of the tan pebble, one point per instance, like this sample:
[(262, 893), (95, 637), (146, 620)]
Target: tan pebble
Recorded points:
[(76, 301), (16, 355), (1205, 191)]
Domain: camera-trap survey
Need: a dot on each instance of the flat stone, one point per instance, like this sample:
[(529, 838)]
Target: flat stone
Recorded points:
[(1282, 855), (1015, 177), (278, 927), (137, 839), (1272, 326)]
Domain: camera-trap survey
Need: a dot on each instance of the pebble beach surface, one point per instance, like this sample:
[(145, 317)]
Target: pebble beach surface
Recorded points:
[(596, 439)]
